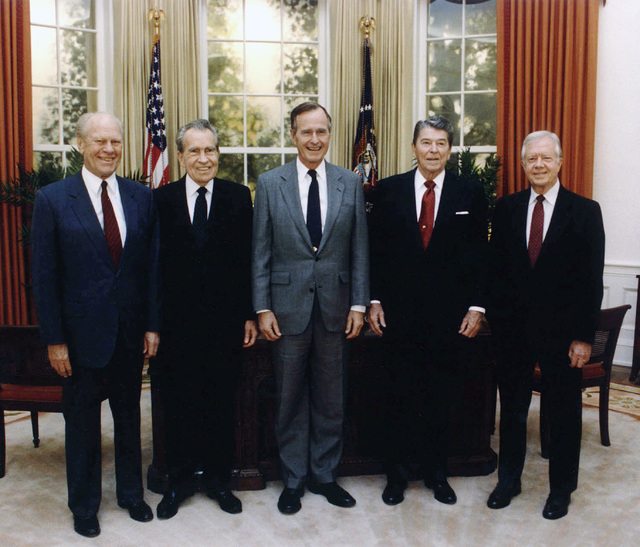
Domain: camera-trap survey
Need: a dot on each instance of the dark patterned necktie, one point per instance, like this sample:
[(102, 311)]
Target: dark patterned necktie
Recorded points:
[(111, 230), (537, 228), (314, 220), (427, 212), (200, 216)]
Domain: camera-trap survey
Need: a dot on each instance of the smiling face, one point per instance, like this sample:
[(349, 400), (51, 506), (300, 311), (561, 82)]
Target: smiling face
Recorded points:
[(432, 151), (312, 137), (200, 155), (101, 145), (541, 164)]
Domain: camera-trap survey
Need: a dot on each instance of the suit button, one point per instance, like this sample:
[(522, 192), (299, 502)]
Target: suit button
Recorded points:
[(317, 258), (311, 290)]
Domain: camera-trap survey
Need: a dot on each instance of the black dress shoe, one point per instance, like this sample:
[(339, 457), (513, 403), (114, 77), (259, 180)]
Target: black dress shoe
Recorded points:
[(289, 500), (442, 491), (89, 527), (335, 494), (393, 493), (557, 506), (138, 511), (228, 502), (501, 495), (170, 504)]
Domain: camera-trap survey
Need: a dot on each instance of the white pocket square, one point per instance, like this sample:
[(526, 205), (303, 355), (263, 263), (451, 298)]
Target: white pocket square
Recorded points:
[(462, 212)]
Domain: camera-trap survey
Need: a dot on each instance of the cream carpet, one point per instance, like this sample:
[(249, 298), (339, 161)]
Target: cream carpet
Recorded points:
[(605, 510)]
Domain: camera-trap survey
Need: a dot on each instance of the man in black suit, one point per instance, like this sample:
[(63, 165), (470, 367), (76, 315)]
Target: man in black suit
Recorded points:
[(205, 260), (547, 262), (95, 252), (428, 237)]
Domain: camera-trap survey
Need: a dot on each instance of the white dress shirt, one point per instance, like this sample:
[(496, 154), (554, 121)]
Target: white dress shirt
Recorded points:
[(93, 185), (421, 189), (191, 189), (549, 203)]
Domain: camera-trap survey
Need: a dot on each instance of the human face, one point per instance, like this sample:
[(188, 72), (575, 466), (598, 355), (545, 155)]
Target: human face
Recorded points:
[(541, 164), (432, 151), (200, 155), (101, 145), (312, 137)]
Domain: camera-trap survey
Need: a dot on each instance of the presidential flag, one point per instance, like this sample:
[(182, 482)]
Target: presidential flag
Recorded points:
[(156, 157)]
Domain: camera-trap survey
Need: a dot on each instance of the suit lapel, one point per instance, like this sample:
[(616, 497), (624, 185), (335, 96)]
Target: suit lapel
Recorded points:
[(131, 217), (447, 205), (559, 221), (408, 203), (335, 193), (291, 196)]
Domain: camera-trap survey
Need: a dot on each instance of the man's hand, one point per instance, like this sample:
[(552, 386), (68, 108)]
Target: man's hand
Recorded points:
[(250, 333), (579, 353), (355, 320), (471, 323), (375, 318), (151, 342), (59, 359), (268, 325)]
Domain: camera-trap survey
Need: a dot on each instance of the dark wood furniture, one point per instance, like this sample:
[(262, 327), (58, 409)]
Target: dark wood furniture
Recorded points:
[(27, 381), (256, 452), (596, 373), (635, 364)]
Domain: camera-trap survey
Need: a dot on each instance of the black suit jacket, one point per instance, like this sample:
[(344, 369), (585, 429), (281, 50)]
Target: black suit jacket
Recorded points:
[(206, 289), (423, 291), (560, 298)]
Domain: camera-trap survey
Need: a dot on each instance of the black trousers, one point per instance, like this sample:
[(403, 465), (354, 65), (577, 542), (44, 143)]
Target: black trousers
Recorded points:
[(83, 393)]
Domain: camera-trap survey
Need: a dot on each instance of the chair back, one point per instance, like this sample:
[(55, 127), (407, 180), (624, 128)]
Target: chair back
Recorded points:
[(606, 338), (24, 359)]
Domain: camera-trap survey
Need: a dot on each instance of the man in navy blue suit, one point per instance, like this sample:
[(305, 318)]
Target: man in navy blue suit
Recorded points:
[(95, 252)]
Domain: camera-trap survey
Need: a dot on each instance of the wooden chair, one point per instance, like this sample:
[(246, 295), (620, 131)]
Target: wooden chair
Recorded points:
[(596, 373), (27, 381)]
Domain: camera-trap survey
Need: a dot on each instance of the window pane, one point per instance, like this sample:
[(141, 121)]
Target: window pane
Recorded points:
[(75, 102), (263, 68), (231, 167), (77, 58), (449, 107), (47, 160), (288, 158), (224, 19), (43, 12), (300, 69), (480, 63), (263, 121), (44, 63), (443, 70), (46, 115), (481, 17), (225, 67), (76, 13), (258, 164), (262, 20), (300, 21), (480, 119), (226, 113), (445, 19)]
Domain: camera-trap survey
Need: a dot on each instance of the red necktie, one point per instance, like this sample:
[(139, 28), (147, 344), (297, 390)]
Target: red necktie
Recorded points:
[(425, 222), (111, 230), (537, 228)]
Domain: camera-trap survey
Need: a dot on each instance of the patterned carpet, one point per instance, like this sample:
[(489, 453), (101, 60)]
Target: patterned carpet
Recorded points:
[(622, 398)]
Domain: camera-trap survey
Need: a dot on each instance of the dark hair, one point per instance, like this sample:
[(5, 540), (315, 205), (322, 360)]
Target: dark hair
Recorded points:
[(437, 122), (306, 107), (200, 125)]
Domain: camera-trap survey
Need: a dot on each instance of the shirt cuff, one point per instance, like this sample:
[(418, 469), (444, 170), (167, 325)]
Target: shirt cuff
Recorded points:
[(477, 308), (361, 309)]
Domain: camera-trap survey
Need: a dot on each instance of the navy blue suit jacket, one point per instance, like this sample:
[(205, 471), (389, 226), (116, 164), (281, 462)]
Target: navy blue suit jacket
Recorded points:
[(81, 298)]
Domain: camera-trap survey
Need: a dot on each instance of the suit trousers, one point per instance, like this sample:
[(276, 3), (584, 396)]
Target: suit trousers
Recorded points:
[(310, 370), (561, 388), (83, 392)]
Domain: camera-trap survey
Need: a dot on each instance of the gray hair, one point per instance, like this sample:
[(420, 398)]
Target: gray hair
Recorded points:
[(437, 122), (198, 125), (306, 107), (83, 122), (536, 136)]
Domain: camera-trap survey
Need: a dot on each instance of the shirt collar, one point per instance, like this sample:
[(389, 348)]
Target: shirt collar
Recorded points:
[(302, 170), (94, 183), (550, 195), (419, 180), (192, 186)]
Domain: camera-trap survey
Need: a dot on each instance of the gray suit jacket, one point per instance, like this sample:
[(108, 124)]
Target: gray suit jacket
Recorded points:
[(287, 273)]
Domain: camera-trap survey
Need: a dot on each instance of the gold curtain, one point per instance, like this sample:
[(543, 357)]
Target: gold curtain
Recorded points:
[(133, 37), (392, 75), (16, 144), (547, 52)]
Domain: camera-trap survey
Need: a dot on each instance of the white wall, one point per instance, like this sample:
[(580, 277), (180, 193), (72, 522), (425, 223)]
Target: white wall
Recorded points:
[(617, 157)]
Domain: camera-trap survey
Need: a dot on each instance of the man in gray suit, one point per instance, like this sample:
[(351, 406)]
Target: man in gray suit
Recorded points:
[(310, 290)]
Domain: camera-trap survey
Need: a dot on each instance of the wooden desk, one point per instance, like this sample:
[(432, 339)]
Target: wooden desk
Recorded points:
[(256, 458)]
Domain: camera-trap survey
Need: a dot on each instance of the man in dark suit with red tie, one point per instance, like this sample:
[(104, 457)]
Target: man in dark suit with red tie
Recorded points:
[(546, 290), (205, 262), (428, 239), (95, 252)]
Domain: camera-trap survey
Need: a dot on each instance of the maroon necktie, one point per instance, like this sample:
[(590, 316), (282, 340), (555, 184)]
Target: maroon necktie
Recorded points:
[(111, 230), (425, 222), (537, 228)]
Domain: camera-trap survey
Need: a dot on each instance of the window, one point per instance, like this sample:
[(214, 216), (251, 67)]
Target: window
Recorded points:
[(263, 58), (65, 76), (458, 69)]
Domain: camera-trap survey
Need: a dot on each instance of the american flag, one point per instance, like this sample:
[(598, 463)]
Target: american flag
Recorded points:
[(156, 157), (365, 151)]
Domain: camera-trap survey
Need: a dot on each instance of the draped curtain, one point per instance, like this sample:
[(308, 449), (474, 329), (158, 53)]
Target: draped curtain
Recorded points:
[(16, 143), (392, 76), (547, 52), (133, 37)]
